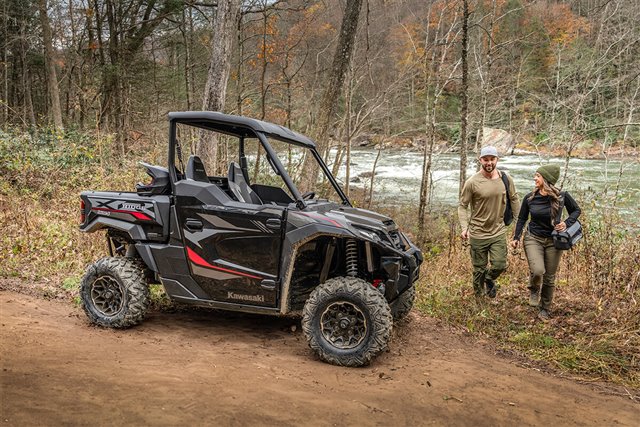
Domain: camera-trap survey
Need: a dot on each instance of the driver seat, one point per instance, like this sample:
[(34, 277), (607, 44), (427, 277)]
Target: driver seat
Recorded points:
[(239, 186)]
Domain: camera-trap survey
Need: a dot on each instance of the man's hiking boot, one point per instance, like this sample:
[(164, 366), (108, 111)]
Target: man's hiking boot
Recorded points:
[(534, 299), (544, 315), (492, 289)]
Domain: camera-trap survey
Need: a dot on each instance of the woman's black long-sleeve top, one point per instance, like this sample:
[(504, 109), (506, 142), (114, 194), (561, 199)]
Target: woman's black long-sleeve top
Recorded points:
[(540, 210)]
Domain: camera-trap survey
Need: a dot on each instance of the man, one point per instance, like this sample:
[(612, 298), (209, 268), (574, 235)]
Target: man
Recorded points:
[(481, 213)]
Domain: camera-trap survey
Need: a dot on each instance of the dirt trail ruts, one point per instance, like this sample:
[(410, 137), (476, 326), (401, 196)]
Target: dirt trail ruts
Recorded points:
[(194, 367)]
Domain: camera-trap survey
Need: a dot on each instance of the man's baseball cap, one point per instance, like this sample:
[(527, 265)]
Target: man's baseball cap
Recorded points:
[(489, 150)]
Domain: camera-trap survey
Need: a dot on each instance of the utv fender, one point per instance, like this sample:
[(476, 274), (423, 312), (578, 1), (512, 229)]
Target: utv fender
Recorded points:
[(292, 242), (134, 231), (144, 251), (312, 231)]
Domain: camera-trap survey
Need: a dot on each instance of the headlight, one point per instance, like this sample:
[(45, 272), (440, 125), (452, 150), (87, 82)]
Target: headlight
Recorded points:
[(369, 235)]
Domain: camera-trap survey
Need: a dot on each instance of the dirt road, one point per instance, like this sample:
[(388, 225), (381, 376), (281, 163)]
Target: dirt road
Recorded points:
[(196, 367)]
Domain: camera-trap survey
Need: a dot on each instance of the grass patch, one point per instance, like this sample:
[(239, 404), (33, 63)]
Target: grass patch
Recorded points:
[(71, 283), (159, 298)]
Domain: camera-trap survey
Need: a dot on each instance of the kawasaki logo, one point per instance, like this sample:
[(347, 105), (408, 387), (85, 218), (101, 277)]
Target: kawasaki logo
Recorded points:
[(241, 297)]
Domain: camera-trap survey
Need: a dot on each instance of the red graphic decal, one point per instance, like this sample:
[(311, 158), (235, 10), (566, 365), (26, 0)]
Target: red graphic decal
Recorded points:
[(322, 218), (198, 260), (137, 215)]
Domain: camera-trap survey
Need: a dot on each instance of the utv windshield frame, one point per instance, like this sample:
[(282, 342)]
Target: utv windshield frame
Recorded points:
[(243, 127)]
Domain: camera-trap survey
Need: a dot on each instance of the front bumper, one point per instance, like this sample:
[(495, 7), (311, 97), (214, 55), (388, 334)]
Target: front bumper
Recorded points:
[(403, 271)]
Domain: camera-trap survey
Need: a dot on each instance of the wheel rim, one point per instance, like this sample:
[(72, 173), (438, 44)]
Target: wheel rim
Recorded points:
[(107, 295), (343, 325)]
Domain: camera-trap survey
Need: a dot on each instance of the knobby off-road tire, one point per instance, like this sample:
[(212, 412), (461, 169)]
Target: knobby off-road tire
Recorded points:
[(114, 292), (401, 307), (347, 322), (149, 276)]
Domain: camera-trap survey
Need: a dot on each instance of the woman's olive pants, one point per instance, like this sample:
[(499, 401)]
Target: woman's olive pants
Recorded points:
[(543, 260)]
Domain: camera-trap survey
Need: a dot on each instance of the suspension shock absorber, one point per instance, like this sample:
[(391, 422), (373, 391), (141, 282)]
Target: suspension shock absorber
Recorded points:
[(351, 252)]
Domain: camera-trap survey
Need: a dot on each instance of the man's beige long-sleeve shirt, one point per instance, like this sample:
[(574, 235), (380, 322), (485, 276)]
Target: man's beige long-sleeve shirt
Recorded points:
[(482, 205)]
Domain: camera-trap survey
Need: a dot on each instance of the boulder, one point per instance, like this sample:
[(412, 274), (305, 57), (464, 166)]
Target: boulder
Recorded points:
[(499, 138)]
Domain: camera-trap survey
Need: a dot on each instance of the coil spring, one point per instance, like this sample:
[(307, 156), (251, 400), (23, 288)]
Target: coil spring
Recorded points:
[(351, 252)]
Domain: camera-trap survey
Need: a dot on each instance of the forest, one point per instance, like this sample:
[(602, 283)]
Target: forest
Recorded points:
[(87, 85)]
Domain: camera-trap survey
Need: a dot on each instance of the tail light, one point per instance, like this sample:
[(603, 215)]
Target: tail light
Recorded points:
[(82, 214)]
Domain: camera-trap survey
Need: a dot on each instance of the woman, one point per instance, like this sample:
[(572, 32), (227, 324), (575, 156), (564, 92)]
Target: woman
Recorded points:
[(542, 205)]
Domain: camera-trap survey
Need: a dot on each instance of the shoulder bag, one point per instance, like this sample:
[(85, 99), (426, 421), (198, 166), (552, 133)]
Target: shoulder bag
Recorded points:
[(565, 240)]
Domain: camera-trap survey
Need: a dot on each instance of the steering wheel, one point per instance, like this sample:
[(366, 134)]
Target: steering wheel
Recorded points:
[(309, 195)]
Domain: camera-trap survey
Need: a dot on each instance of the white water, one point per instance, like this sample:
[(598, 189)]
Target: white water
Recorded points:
[(398, 173)]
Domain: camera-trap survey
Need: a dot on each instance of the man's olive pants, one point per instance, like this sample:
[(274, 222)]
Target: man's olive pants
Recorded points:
[(543, 260), (483, 251)]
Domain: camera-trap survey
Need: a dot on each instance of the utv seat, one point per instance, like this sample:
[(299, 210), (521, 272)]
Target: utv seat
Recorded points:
[(195, 170), (198, 185), (239, 186)]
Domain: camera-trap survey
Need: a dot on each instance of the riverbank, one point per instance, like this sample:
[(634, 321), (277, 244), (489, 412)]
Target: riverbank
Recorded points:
[(588, 149)]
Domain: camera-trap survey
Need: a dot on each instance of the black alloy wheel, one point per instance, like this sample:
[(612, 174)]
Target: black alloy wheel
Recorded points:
[(347, 322), (343, 325)]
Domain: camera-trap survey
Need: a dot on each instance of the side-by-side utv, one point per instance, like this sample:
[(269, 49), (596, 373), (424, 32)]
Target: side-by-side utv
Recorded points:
[(252, 240)]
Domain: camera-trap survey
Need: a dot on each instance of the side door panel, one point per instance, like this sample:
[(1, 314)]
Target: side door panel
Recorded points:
[(233, 249)]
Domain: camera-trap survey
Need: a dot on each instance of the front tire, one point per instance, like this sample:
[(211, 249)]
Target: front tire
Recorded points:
[(401, 307), (114, 292), (347, 322)]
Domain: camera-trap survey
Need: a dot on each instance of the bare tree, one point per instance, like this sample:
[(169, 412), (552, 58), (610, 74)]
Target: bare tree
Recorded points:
[(52, 77), (436, 79), (464, 91), (348, 30), (224, 27)]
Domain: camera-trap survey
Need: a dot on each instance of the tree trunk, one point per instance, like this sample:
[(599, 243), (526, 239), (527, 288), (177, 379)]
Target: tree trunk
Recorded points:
[(432, 71), (186, 27), (486, 85), (263, 87), (52, 78), (464, 109), (225, 26), (339, 67), (240, 69), (26, 78), (5, 64)]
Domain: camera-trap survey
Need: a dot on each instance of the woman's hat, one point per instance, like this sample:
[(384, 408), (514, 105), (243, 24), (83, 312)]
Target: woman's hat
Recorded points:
[(550, 173)]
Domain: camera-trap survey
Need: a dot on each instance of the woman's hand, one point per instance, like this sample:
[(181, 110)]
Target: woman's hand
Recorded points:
[(514, 244), (561, 227)]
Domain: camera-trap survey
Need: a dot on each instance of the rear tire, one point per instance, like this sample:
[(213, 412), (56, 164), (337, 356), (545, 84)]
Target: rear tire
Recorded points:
[(401, 307), (347, 322), (114, 292)]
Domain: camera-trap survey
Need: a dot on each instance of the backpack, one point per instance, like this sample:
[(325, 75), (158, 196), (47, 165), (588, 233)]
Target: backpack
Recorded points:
[(508, 213)]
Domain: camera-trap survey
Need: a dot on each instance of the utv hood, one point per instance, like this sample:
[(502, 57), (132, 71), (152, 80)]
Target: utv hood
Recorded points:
[(362, 223), (361, 217)]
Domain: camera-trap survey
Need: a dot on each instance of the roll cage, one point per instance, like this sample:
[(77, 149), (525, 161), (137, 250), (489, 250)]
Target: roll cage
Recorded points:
[(244, 127)]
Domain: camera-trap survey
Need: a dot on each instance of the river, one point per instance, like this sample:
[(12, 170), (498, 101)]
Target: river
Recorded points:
[(398, 173)]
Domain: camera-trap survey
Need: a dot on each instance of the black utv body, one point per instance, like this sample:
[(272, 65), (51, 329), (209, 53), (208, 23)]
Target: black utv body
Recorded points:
[(233, 243)]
